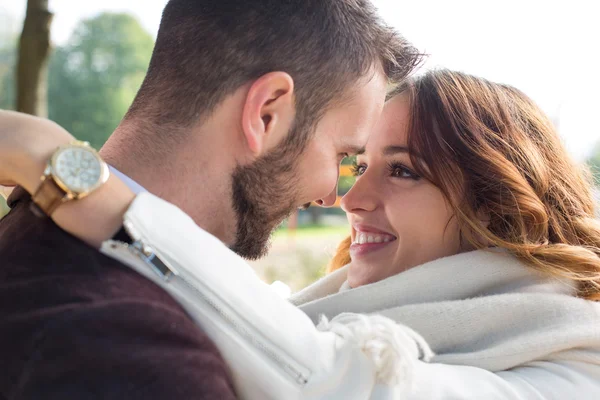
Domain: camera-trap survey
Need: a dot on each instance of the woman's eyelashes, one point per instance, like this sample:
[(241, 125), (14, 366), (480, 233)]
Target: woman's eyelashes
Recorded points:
[(395, 169), (358, 169), (399, 170)]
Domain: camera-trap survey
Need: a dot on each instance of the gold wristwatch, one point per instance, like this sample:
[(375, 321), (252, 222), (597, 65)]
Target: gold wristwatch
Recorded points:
[(74, 171)]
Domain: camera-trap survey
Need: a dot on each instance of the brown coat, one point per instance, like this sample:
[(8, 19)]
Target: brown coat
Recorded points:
[(75, 324)]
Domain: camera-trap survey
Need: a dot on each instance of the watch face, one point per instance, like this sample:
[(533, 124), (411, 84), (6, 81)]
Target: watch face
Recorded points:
[(78, 169)]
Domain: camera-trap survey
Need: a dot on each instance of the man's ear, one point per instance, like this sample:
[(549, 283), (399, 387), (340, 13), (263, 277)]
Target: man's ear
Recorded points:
[(268, 112)]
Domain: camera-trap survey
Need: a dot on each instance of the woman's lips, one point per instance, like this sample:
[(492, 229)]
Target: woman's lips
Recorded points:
[(366, 242)]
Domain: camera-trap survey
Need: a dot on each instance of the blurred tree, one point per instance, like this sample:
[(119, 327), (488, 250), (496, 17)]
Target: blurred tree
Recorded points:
[(32, 64), (95, 76), (8, 49), (345, 183)]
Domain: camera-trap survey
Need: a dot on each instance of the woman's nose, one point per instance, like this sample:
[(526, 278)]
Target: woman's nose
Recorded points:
[(361, 197)]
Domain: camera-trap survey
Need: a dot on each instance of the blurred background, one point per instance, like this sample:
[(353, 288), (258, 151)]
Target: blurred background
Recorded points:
[(99, 53)]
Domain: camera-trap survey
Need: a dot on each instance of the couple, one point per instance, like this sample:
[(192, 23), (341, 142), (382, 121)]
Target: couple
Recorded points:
[(471, 271)]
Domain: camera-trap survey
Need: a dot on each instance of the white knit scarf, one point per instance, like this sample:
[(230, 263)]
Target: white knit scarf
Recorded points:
[(483, 309)]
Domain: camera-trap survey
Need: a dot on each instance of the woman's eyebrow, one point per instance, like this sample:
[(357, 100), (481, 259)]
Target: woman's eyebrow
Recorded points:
[(391, 150)]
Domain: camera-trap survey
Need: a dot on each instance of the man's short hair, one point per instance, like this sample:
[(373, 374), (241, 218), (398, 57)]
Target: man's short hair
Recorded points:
[(207, 49)]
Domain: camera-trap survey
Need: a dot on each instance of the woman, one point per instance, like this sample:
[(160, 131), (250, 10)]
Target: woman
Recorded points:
[(470, 272)]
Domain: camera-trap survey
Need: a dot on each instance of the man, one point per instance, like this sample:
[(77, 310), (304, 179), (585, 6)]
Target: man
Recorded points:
[(247, 109)]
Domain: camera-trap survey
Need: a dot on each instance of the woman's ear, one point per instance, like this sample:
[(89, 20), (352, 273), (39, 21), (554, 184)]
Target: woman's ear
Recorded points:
[(483, 215), (268, 112)]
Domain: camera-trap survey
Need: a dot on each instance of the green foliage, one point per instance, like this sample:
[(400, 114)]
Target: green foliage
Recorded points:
[(345, 184), (8, 58), (95, 76), (92, 79), (3, 207), (349, 160)]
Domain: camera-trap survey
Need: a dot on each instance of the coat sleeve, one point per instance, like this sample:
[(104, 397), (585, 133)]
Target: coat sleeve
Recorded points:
[(275, 351)]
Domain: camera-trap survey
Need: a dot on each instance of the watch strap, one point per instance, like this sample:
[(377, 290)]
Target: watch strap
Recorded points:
[(48, 196)]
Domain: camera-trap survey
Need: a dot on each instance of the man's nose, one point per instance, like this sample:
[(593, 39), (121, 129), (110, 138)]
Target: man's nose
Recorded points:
[(329, 200)]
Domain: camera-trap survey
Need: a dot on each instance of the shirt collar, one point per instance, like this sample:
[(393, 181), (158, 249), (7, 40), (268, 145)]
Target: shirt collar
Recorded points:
[(135, 187)]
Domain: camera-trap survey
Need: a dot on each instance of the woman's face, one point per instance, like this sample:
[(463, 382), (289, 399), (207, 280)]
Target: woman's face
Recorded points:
[(398, 219)]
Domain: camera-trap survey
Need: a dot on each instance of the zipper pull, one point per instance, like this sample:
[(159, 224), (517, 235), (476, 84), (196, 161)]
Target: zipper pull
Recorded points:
[(163, 270), (147, 254)]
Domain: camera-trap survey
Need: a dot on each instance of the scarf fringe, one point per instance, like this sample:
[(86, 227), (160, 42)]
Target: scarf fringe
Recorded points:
[(393, 348)]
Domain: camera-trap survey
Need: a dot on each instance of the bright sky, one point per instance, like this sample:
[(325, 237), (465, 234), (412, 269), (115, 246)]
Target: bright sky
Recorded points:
[(549, 49)]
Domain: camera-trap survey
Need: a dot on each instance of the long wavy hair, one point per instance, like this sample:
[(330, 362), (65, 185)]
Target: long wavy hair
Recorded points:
[(492, 151)]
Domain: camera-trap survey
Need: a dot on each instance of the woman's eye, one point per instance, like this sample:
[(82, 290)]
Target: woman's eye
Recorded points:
[(358, 169), (401, 171)]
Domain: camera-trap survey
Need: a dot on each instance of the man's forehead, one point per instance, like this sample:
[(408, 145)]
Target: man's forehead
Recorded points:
[(354, 142), (352, 122), (372, 86)]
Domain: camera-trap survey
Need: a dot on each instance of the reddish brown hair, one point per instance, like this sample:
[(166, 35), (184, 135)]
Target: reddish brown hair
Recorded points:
[(490, 149)]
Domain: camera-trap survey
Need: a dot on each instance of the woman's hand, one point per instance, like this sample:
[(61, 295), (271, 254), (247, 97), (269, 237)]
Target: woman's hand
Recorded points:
[(26, 144)]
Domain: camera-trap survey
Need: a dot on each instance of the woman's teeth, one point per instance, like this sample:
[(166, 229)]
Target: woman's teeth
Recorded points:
[(362, 238)]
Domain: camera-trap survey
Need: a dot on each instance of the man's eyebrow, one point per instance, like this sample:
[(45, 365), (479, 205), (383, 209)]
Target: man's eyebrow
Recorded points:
[(391, 150), (356, 150)]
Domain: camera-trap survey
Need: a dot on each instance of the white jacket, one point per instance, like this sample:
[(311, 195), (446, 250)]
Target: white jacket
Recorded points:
[(545, 345)]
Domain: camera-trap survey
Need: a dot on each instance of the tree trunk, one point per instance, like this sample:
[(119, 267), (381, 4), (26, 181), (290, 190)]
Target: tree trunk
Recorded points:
[(32, 66)]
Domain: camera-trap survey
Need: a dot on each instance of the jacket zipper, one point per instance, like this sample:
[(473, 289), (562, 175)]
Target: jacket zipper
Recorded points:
[(141, 250)]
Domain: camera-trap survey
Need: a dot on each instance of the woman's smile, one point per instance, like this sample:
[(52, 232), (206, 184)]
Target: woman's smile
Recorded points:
[(367, 240)]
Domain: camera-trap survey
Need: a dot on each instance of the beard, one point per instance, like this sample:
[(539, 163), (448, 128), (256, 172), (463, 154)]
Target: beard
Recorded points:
[(263, 195)]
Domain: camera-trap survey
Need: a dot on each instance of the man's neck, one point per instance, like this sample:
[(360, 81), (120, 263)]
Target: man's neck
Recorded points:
[(202, 190)]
